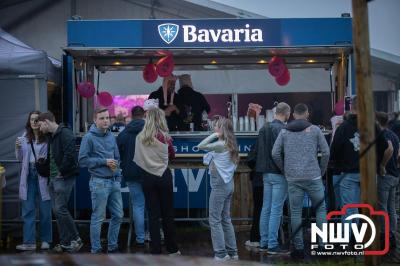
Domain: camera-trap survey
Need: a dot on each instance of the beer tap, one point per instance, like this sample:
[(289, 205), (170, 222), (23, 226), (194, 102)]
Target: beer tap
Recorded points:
[(229, 106)]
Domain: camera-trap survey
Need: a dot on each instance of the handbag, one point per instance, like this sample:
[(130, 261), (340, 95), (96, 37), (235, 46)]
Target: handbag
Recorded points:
[(43, 164)]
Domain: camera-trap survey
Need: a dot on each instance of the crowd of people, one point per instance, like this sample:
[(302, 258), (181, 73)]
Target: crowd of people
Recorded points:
[(288, 159), (285, 156)]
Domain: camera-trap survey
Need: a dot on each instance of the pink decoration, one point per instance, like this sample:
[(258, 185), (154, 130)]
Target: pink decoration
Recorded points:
[(149, 73), (339, 108), (165, 66), (284, 79), (276, 66), (125, 103), (86, 89), (105, 98)]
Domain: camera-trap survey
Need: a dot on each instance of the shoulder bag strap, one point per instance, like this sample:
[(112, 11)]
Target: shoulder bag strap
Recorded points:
[(33, 150)]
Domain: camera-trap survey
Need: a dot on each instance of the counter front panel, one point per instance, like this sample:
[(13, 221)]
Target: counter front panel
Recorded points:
[(190, 177)]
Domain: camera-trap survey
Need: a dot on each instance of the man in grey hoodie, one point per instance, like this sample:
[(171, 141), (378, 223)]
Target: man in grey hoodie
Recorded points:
[(99, 153), (295, 153)]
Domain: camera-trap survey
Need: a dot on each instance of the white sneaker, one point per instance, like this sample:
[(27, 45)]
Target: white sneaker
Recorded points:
[(226, 258), (44, 246), (147, 236), (26, 247), (178, 253), (252, 244), (162, 234), (234, 257)]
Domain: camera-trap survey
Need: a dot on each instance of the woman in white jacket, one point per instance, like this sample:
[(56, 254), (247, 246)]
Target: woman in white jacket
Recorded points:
[(222, 159), (33, 189)]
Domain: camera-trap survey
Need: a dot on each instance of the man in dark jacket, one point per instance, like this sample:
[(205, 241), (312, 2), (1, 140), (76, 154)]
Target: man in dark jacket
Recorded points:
[(63, 171), (387, 183), (170, 103), (258, 191), (194, 104), (275, 184), (345, 149), (126, 145)]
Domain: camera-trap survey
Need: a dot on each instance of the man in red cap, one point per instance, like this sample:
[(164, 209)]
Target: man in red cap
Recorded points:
[(169, 101)]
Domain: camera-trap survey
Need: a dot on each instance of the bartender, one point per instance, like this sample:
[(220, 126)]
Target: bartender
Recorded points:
[(169, 101), (195, 107)]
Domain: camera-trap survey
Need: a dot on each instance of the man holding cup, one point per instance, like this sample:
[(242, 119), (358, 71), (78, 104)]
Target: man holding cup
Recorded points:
[(99, 153)]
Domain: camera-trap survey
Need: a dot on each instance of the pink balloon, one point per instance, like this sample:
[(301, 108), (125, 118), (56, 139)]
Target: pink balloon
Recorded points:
[(149, 73), (165, 66), (284, 78), (86, 89), (276, 66), (105, 98), (339, 107)]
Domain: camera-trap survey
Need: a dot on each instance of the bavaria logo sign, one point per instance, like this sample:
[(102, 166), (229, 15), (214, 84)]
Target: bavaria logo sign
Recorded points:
[(168, 32), (191, 34)]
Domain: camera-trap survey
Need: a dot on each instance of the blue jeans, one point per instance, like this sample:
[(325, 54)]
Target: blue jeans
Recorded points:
[(350, 192), (29, 212), (105, 193), (387, 202), (315, 190), (275, 193), (138, 205), (336, 180), (222, 232)]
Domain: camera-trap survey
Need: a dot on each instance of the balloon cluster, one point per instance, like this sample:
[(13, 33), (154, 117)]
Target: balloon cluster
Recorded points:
[(163, 68), (278, 69)]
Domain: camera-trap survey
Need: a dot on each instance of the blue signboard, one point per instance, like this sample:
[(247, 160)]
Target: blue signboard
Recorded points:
[(210, 33)]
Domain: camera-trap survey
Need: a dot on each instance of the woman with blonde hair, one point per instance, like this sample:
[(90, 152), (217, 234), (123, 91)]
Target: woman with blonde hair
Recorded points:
[(222, 160), (153, 150)]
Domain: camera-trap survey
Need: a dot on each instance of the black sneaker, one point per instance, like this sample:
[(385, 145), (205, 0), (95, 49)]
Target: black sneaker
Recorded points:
[(74, 247), (277, 251), (58, 249), (139, 245), (113, 251), (100, 251), (263, 248), (297, 254)]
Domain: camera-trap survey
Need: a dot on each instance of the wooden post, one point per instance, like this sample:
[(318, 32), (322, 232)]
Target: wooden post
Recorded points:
[(366, 116)]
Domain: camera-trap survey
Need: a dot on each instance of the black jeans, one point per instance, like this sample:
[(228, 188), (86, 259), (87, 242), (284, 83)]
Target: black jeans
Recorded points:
[(158, 194), (258, 194), (60, 191)]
